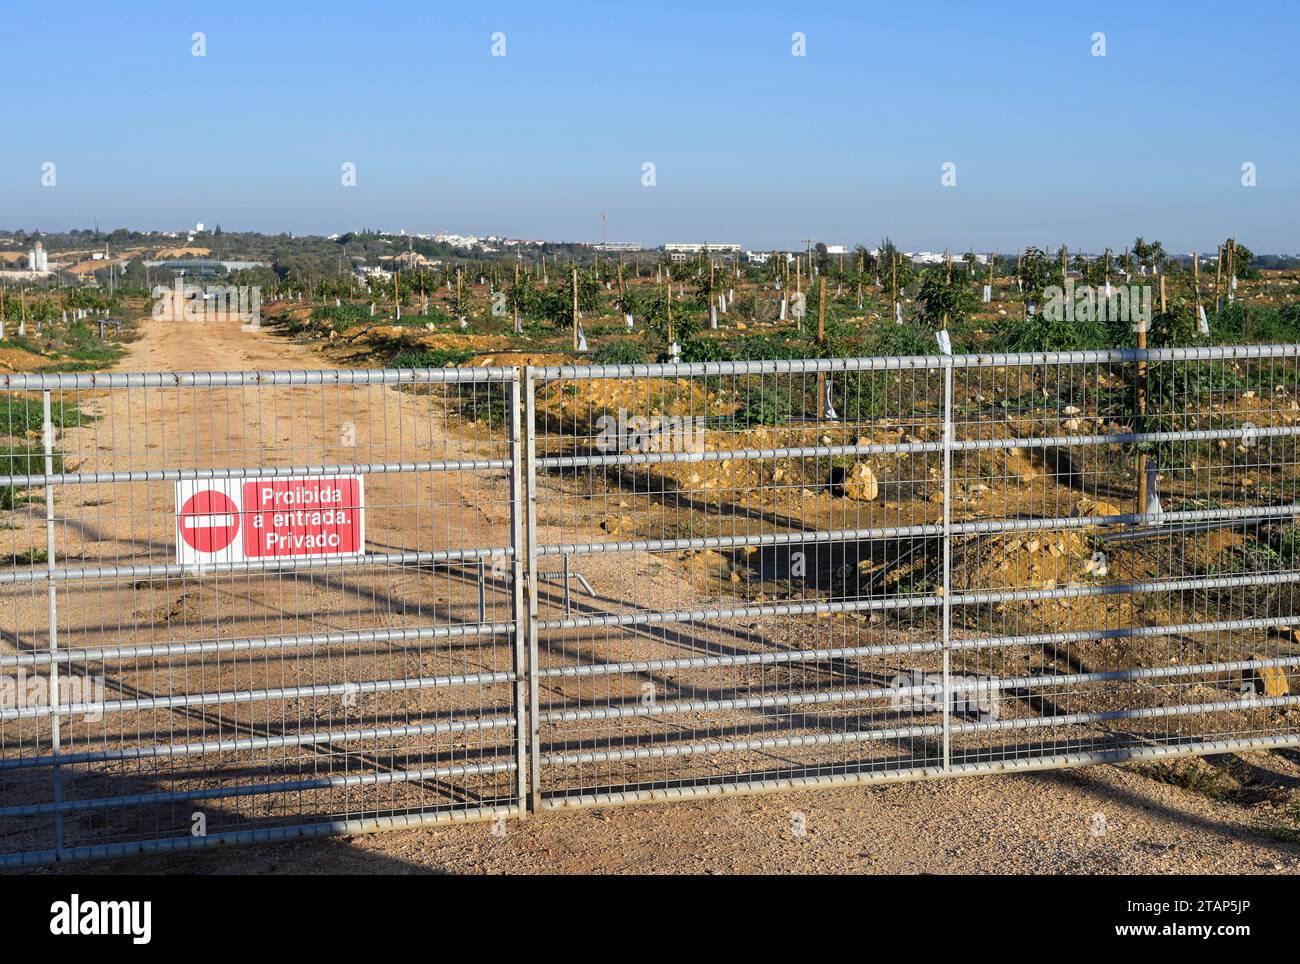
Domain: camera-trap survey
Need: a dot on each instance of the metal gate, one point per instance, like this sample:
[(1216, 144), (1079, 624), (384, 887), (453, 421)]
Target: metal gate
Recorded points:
[(740, 576), (1093, 555), (152, 704)]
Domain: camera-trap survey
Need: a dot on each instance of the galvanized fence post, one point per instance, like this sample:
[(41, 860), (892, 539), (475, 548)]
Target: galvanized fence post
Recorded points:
[(530, 564), (48, 437), (946, 347), (517, 611)]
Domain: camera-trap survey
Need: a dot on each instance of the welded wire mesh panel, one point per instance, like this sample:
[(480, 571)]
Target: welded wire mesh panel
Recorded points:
[(241, 604), (752, 574), (761, 563), (1121, 574)]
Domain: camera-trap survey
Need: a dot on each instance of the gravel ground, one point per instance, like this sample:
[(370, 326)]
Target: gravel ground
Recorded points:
[(1027, 823)]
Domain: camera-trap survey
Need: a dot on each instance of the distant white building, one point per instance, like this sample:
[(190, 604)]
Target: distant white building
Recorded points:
[(681, 247), (763, 257), (939, 257), (489, 243), (38, 259), (618, 247)]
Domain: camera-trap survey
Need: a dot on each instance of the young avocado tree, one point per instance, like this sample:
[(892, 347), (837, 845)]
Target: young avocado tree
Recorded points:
[(1241, 258), (558, 301), (1047, 325), (1150, 254), (708, 288), (946, 298), (522, 298), (667, 322), (460, 302), (1034, 274), (892, 263), (631, 301)]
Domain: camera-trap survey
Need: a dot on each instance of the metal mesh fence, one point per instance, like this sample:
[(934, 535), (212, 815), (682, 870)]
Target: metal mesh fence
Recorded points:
[(785, 566), (249, 605), (740, 576)]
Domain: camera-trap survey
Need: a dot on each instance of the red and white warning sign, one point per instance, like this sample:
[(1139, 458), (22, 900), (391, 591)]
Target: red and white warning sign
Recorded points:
[(228, 520), (208, 520)]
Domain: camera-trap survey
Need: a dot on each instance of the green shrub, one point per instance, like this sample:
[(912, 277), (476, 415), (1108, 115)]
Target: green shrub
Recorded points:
[(429, 358), (340, 317), (1040, 333), (482, 402), (1228, 324), (766, 348), (859, 396), (1272, 326), (23, 460), (22, 414), (891, 339), (763, 406), (706, 350), (619, 353)]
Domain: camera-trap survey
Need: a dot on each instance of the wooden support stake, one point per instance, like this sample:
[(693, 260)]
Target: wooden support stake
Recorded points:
[(821, 312), (575, 308), (821, 343), (893, 273), (1196, 287), (798, 289), (668, 297), (1218, 275), (518, 321)]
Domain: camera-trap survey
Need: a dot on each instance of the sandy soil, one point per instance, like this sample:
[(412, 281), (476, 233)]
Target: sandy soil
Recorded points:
[(1033, 823)]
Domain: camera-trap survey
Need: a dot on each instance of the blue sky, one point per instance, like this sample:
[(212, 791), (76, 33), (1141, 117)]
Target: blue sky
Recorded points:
[(750, 144)]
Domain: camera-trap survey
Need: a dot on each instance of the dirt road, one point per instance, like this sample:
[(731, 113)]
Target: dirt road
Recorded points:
[(1096, 820)]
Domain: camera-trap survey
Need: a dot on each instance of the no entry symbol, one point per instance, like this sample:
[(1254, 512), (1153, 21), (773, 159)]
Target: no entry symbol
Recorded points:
[(209, 521)]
